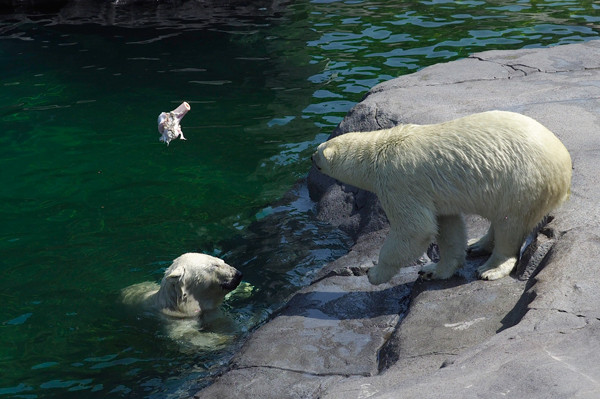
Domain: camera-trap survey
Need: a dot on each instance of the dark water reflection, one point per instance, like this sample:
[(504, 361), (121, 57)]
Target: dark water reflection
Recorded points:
[(91, 202)]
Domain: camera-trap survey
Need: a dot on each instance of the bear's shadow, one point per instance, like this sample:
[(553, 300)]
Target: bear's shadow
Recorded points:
[(369, 304), (395, 299), (347, 305)]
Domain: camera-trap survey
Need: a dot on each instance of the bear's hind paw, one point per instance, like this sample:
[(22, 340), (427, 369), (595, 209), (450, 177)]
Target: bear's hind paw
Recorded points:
[(494, 273)]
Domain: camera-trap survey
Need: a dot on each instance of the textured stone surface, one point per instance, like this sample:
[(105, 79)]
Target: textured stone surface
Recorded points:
[(328, 325), (460, 338)]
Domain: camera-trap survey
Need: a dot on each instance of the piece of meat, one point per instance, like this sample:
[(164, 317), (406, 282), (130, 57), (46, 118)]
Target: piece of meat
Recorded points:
[(168, 123)]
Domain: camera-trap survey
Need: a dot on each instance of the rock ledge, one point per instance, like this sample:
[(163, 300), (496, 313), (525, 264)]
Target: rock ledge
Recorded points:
[(340, 337)]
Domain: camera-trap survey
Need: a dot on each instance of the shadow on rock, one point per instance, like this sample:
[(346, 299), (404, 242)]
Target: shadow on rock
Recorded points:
[(346, 305)]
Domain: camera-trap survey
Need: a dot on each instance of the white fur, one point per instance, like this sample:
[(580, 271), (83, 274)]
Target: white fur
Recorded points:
[(193, 286), (503, 166), (189, 298)]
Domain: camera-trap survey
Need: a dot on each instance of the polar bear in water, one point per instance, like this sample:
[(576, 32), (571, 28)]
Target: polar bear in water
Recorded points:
[(503, 166), (190, 294)]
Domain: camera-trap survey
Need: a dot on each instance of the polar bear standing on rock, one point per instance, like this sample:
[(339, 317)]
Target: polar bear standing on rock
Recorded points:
[(503, 166)]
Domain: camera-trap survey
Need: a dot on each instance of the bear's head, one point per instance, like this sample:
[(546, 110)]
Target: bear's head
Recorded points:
[(323, 158), (347, 158), (196, 283)]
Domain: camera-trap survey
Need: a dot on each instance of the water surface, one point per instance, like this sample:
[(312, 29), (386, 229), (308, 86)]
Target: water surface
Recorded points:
[(92, 202)]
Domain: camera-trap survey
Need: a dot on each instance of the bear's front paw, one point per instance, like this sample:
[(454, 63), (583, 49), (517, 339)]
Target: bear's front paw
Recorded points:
[(433, 271), (379, 275)]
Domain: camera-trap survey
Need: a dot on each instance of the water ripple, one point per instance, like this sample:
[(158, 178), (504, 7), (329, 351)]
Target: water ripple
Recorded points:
[(18, 320), (89, 192)]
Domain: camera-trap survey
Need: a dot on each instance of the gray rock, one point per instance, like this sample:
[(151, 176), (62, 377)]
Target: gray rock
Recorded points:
[(327, 325), (533, 336)]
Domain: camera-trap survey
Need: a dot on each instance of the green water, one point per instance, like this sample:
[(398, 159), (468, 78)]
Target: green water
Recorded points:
[(91, 202)]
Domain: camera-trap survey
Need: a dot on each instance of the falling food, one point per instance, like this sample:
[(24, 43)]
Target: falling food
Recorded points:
[(168, 123)]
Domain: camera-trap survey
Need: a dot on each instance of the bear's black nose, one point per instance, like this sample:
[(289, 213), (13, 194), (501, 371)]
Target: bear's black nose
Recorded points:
[(312, 159), (234, 282)]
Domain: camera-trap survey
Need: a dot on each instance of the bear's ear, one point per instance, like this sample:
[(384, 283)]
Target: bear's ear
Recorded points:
[(328, 153), (176, 274)]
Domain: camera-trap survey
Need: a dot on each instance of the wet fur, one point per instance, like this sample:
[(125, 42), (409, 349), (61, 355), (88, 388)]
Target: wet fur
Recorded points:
[(189, 295)]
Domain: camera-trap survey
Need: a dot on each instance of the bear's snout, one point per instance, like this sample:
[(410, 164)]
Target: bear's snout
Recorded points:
[(234, 282), (313, 160)]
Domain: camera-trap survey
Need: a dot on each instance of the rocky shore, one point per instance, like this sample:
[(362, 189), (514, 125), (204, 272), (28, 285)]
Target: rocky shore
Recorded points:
[(535, 334)]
